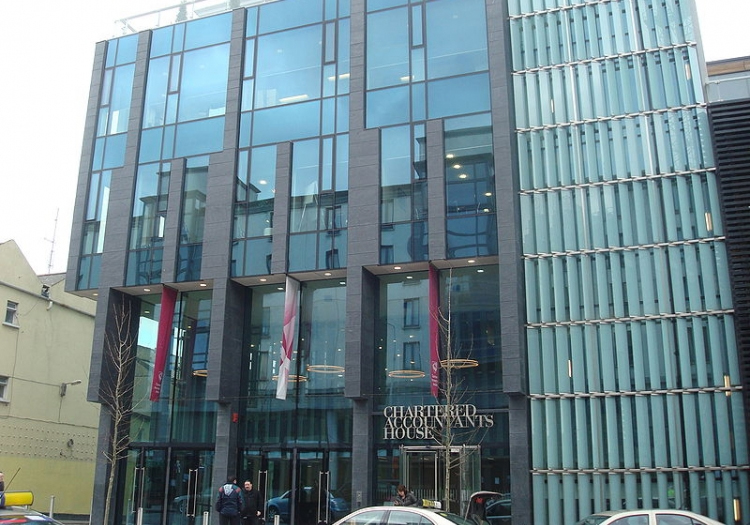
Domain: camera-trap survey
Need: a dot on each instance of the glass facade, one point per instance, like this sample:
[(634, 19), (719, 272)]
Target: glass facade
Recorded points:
[(630, 327), (511, 261)]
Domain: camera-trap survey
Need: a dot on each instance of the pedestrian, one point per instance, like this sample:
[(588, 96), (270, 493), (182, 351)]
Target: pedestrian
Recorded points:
[(2, 490), (405, 498), (252, 506), (229, 503)]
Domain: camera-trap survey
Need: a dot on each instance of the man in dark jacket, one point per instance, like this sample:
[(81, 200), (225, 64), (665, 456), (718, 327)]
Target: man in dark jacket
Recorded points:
[(230, 503), (252, 509)]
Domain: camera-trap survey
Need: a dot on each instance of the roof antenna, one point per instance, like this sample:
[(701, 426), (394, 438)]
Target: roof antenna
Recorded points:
[(52, 249)]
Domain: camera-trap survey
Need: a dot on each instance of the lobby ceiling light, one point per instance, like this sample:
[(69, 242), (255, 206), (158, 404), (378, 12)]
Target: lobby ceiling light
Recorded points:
[(406, 374), (325, 369), (459, 362)]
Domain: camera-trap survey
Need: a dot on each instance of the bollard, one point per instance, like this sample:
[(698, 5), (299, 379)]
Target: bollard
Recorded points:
[(139, 516), (205, 517), (52, 506), (276, 519)]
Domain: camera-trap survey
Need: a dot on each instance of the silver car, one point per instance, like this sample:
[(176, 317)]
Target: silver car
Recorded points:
[(647, 517), (397, 515)]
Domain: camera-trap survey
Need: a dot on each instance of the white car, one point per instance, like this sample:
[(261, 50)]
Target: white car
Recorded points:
[(647, 517), (398, 515)]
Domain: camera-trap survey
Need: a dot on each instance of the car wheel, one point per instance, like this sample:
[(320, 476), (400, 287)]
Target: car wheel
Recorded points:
[(271, 514), (181, 507)]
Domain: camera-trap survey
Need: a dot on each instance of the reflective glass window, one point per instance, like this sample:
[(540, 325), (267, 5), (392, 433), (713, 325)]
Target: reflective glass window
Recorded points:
[(374, 5), (203, 89), (387, 107), (400, 380), (192, 219), (277, 16), (289, 67), (114, 151), (119, 105), (285, 123), (303, 252), (202, 136), (387, 48), (161, 41), (156, 92), (208, 31), (456, 37), (149, 206), (457, 96), (126, 49)]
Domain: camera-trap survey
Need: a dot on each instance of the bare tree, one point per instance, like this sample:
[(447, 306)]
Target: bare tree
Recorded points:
[(117, 389), (452, 392)]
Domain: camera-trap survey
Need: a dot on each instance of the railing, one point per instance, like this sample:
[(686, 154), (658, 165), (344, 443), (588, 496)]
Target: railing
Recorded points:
[(730, 88), (180, 12)]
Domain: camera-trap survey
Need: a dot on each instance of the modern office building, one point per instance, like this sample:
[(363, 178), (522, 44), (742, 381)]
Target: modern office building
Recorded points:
[(48, 430), (728, 91), (361, 239)]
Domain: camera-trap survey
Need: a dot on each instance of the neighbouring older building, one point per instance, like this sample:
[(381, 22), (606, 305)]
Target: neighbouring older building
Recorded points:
[(48, 430), (362, 238)]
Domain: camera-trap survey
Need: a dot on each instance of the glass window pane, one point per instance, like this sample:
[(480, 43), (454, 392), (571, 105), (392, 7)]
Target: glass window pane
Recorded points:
[(203, 90), (388, 106), (126, 48), (207, 31), (156, 92), (456, 37), (197, 138), (161, 41), (289, 67), (302, 252), (290, 13), (119, 110), (114, 151), (387, 48), (258, 256), (286, 123), (457, 96)]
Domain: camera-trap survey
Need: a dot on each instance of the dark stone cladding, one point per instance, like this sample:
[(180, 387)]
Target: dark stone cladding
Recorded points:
[(511, 294)]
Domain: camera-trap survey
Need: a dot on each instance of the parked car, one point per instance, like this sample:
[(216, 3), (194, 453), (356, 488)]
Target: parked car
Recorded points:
[(17, 512), (393, 515), (205, 499), (490, 507), (337, 507), (647, 517)]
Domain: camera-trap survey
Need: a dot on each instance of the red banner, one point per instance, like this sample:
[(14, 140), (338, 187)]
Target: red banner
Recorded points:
[(163, 339), (291, 300), (434, 305)]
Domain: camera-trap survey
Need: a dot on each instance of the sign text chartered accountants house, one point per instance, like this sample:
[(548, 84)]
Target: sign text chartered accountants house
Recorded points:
[(422, 421)]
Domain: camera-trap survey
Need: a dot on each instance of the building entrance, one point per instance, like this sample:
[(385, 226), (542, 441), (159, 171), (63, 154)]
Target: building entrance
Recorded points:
[(302, 486), (424, 473), (167, 486)]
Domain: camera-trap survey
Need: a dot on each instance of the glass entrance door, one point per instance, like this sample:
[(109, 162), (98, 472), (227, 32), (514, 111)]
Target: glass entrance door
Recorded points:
[(143, 495), (167, 487), (189, 493), (303, 487), (424, 473)]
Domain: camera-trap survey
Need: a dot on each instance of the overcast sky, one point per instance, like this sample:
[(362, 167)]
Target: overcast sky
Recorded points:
[(46, 49)]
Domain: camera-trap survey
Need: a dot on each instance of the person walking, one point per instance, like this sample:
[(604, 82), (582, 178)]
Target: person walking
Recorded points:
[(251, 511), (405, 498), (230, 503)]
